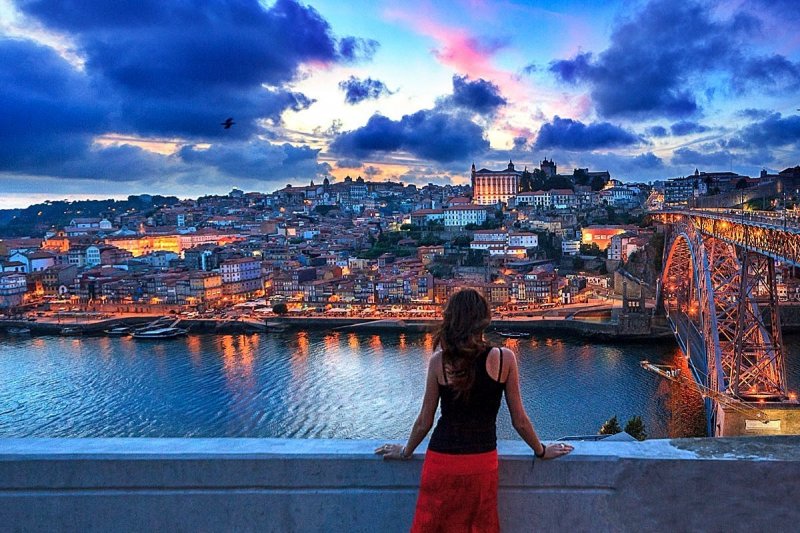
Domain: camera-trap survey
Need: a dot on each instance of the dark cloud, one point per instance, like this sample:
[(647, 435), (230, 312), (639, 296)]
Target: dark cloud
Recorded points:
[(372, 171), (427, 134), (568, 134), (49, 111), (687, 156), (480, 95), (625, 167), (754, 114), (656, 131), (685, 127), (648, 161), (349, 163), (181, 67), (661, 52), (774, 130), (357, 90), (520, 143), (352, 49), (256, 159)]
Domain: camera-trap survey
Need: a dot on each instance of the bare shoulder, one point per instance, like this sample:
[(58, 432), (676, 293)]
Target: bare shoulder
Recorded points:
[(435, 362), (435, 366), (508, 355)]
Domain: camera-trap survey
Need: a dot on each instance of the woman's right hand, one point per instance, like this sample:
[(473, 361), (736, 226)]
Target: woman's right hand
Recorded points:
[(556, 450)]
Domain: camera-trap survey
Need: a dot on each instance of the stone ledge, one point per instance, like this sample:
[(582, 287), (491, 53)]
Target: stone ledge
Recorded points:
[(336, 485)]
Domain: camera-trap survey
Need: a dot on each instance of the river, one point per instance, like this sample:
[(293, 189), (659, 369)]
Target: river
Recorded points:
[(317, 384)]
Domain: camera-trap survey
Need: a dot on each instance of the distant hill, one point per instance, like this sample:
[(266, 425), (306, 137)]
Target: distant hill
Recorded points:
[(6, 215), (36, 219)]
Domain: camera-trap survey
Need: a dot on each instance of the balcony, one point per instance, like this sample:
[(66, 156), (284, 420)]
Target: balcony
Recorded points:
[(335, 485)]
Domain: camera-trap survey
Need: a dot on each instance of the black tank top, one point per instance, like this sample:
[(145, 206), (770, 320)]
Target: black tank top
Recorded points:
[(469, 425)]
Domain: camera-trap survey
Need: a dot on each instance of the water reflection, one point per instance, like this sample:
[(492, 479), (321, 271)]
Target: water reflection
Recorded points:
[(683, 405), (376, 345), (427, 343), (319, 384), (194, 347), (353, 341)]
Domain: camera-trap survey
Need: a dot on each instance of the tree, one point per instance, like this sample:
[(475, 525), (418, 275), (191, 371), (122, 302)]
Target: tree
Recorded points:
[(610, 427), (280, 309), (741, 184), (635, 428), (598, 182), (526, 181), (591, 249), (558, 182), (580, 176), (325, 209), (461, 241)]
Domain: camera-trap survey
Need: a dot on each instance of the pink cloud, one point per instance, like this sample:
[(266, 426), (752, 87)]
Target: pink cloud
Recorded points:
[(455, 47)]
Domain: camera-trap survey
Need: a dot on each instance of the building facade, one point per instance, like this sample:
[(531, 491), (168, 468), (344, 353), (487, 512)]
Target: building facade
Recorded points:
[(490, 187)]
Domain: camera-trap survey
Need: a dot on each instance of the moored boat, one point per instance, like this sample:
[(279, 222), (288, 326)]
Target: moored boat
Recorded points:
[(72, 331), (118, 331), (159, 333), (514, 334), (19, 331)]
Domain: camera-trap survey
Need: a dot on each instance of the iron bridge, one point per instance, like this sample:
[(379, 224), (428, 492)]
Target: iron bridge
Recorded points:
[(719, 293)]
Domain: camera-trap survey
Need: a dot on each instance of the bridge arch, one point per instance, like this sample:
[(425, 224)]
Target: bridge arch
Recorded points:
[(690, 303), (711, 293)]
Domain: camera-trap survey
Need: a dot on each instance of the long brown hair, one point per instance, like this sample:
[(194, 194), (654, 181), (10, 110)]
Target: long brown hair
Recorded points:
[(460, 336)]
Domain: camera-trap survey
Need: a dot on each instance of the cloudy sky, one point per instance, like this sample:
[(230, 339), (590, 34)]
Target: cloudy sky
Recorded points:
[(101, 98)]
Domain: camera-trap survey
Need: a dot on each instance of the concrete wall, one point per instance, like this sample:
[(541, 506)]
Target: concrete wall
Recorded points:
[(781, 420), (324, 485)]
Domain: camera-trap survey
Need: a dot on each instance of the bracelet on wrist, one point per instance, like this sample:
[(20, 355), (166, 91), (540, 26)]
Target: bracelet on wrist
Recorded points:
[(405, 455), (544, 451)]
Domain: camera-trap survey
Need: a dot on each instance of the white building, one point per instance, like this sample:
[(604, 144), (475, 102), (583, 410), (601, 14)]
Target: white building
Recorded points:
[(35, 261), (501, 242), (13, 287), (525, 240), (490, 236), (241, 269), (553, 199), (535, 199), (562, 198), (570, 247), (621, 196), (93, 255), (459, 216)]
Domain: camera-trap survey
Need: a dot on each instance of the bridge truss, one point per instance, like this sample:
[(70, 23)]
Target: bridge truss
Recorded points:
[(719, 292)]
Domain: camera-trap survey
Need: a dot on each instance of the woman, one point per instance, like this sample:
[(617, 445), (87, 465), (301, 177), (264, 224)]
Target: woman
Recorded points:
[(458, 490)]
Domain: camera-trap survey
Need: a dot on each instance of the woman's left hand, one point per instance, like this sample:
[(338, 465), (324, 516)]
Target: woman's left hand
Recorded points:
[(392, 451)]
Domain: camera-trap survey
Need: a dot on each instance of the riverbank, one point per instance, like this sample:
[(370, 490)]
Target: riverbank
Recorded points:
[(98, 327), (591, 328)]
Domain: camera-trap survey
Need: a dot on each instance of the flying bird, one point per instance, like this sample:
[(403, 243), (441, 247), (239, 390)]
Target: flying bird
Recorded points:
[(228, 123)]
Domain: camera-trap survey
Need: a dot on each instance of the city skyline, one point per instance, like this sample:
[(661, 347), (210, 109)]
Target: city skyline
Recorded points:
[(127, 100)]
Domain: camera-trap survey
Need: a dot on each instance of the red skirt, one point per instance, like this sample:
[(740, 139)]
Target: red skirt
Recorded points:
[(458, 494)]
